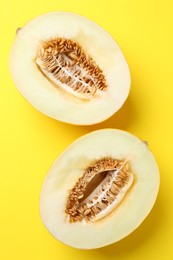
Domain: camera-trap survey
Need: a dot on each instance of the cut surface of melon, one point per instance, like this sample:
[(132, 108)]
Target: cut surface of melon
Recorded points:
[(100, 189), (69, 68)]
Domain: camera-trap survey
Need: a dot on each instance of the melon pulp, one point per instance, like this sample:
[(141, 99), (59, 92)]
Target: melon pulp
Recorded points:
[(100, 189), (69, 68)]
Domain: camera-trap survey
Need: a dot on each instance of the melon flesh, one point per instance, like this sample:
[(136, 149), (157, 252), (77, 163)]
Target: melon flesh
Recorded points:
[(70, 166), (95, 42)]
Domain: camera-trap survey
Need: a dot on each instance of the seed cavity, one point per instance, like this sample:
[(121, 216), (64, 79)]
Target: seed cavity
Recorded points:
[(99, 191), (64, 63)]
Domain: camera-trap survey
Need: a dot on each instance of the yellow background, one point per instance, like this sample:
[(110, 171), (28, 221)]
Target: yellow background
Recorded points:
[(30, 141)]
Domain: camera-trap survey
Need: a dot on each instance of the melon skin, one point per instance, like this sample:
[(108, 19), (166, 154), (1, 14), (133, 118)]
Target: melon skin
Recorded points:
[(69, 167), (44, 96)]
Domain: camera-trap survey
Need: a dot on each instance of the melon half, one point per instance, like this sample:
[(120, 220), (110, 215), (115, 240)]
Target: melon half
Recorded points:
[(69, 68), (100, 189)]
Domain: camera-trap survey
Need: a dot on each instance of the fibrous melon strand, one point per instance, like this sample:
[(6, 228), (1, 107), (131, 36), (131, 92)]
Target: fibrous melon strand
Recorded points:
[(65, 63), (101, 188)]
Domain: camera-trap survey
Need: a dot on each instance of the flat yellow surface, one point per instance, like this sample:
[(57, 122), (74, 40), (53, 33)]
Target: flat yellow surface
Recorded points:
[(30, 141)]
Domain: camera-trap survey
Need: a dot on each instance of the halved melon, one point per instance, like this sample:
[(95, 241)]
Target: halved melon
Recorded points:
[(100, 189), (69, 68)]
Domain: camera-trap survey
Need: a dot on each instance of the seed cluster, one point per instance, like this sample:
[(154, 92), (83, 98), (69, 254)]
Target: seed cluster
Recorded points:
[(118, 176), (65, 63)]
